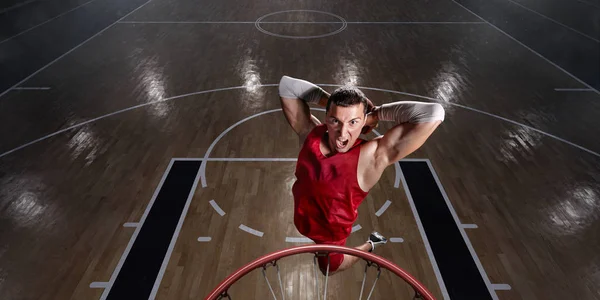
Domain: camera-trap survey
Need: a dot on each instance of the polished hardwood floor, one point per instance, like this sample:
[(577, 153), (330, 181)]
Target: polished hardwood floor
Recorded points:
[(84, 155)]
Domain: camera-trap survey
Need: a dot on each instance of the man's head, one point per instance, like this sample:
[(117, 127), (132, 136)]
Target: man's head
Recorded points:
[(346, 116)]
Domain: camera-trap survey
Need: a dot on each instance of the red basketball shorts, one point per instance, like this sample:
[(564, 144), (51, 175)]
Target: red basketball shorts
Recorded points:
[(335, 259)]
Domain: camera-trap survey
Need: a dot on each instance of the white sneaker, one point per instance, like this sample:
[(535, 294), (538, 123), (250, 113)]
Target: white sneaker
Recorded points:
[(376, 239)]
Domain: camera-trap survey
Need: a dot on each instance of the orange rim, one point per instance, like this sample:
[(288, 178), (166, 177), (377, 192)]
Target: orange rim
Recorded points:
[(260, 262)]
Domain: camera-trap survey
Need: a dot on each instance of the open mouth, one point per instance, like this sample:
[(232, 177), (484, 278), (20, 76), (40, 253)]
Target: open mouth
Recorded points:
[(341, 143)]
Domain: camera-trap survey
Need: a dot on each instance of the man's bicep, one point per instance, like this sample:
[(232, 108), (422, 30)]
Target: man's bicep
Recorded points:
[(403, 140), (297, 113), (312, 124)]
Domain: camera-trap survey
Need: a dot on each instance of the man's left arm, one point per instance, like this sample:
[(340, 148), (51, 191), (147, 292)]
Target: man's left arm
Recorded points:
[(415, 122)]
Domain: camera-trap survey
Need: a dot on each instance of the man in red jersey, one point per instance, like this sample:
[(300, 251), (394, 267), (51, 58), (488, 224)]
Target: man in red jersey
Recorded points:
[(336, 169)]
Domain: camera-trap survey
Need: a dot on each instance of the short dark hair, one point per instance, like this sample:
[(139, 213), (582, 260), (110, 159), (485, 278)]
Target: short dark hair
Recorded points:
[(347, 96)]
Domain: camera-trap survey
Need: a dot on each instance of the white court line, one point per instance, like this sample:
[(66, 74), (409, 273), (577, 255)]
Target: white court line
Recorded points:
[(98, 285), (572, 90), (204, 239), (251, 231), (383, 208), (484, 275), (356, 228), (389, 91), (31, 88), (119, 112), (16, 6), (72, 49), (290, 239), (212, 145), (396, 240), (397, 170), (469, 226), (413, 159), (187, 159), (396, 184), (589, 3), (163, 267), (416, 23), (434, 264), (554, 21), (38, 25), (217, 208), (186, 22), (530, 128), (113, 277), (533, 51), (298, 22), (501, 287), (131, 224)]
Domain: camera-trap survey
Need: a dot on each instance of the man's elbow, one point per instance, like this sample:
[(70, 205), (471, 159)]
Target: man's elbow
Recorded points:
[(437, 113), (286, 87)]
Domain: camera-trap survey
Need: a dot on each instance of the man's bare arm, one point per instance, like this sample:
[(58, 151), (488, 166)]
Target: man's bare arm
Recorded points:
[(295, 94), (415, 121)]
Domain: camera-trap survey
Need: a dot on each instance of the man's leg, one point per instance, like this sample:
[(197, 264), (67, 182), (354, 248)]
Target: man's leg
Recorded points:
[(348, 260), (333, 259)]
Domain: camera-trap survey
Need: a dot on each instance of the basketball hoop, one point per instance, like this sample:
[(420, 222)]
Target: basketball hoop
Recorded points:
[(270, 260)]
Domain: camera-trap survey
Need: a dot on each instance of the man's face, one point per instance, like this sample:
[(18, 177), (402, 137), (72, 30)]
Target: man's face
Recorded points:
[(344, 125)]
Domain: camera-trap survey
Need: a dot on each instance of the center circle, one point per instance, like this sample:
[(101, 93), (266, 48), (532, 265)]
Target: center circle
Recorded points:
[(343, 22)]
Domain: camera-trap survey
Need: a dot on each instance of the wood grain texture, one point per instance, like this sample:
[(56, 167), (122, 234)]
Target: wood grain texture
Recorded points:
[(64, 199)]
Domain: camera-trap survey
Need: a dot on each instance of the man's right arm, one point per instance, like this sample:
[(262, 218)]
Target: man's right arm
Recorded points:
[(295, 94)]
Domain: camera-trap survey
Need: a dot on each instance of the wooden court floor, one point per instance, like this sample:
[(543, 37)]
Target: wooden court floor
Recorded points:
[(85, 149)]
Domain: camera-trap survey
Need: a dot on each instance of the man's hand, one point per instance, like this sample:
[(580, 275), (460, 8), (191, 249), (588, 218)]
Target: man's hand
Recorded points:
[(372, 120), (370, 106)]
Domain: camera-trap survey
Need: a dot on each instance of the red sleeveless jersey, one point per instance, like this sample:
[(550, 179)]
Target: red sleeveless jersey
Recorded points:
[(326, 191)]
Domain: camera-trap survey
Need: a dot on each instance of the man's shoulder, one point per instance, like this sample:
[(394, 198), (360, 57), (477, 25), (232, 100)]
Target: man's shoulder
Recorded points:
[(369, 146), (312, 130), (368, 152)]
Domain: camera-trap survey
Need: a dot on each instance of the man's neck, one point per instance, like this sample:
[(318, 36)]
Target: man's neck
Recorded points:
[(324, 146)]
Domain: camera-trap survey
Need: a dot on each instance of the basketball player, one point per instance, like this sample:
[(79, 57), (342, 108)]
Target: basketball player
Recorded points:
[(336, 169)]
